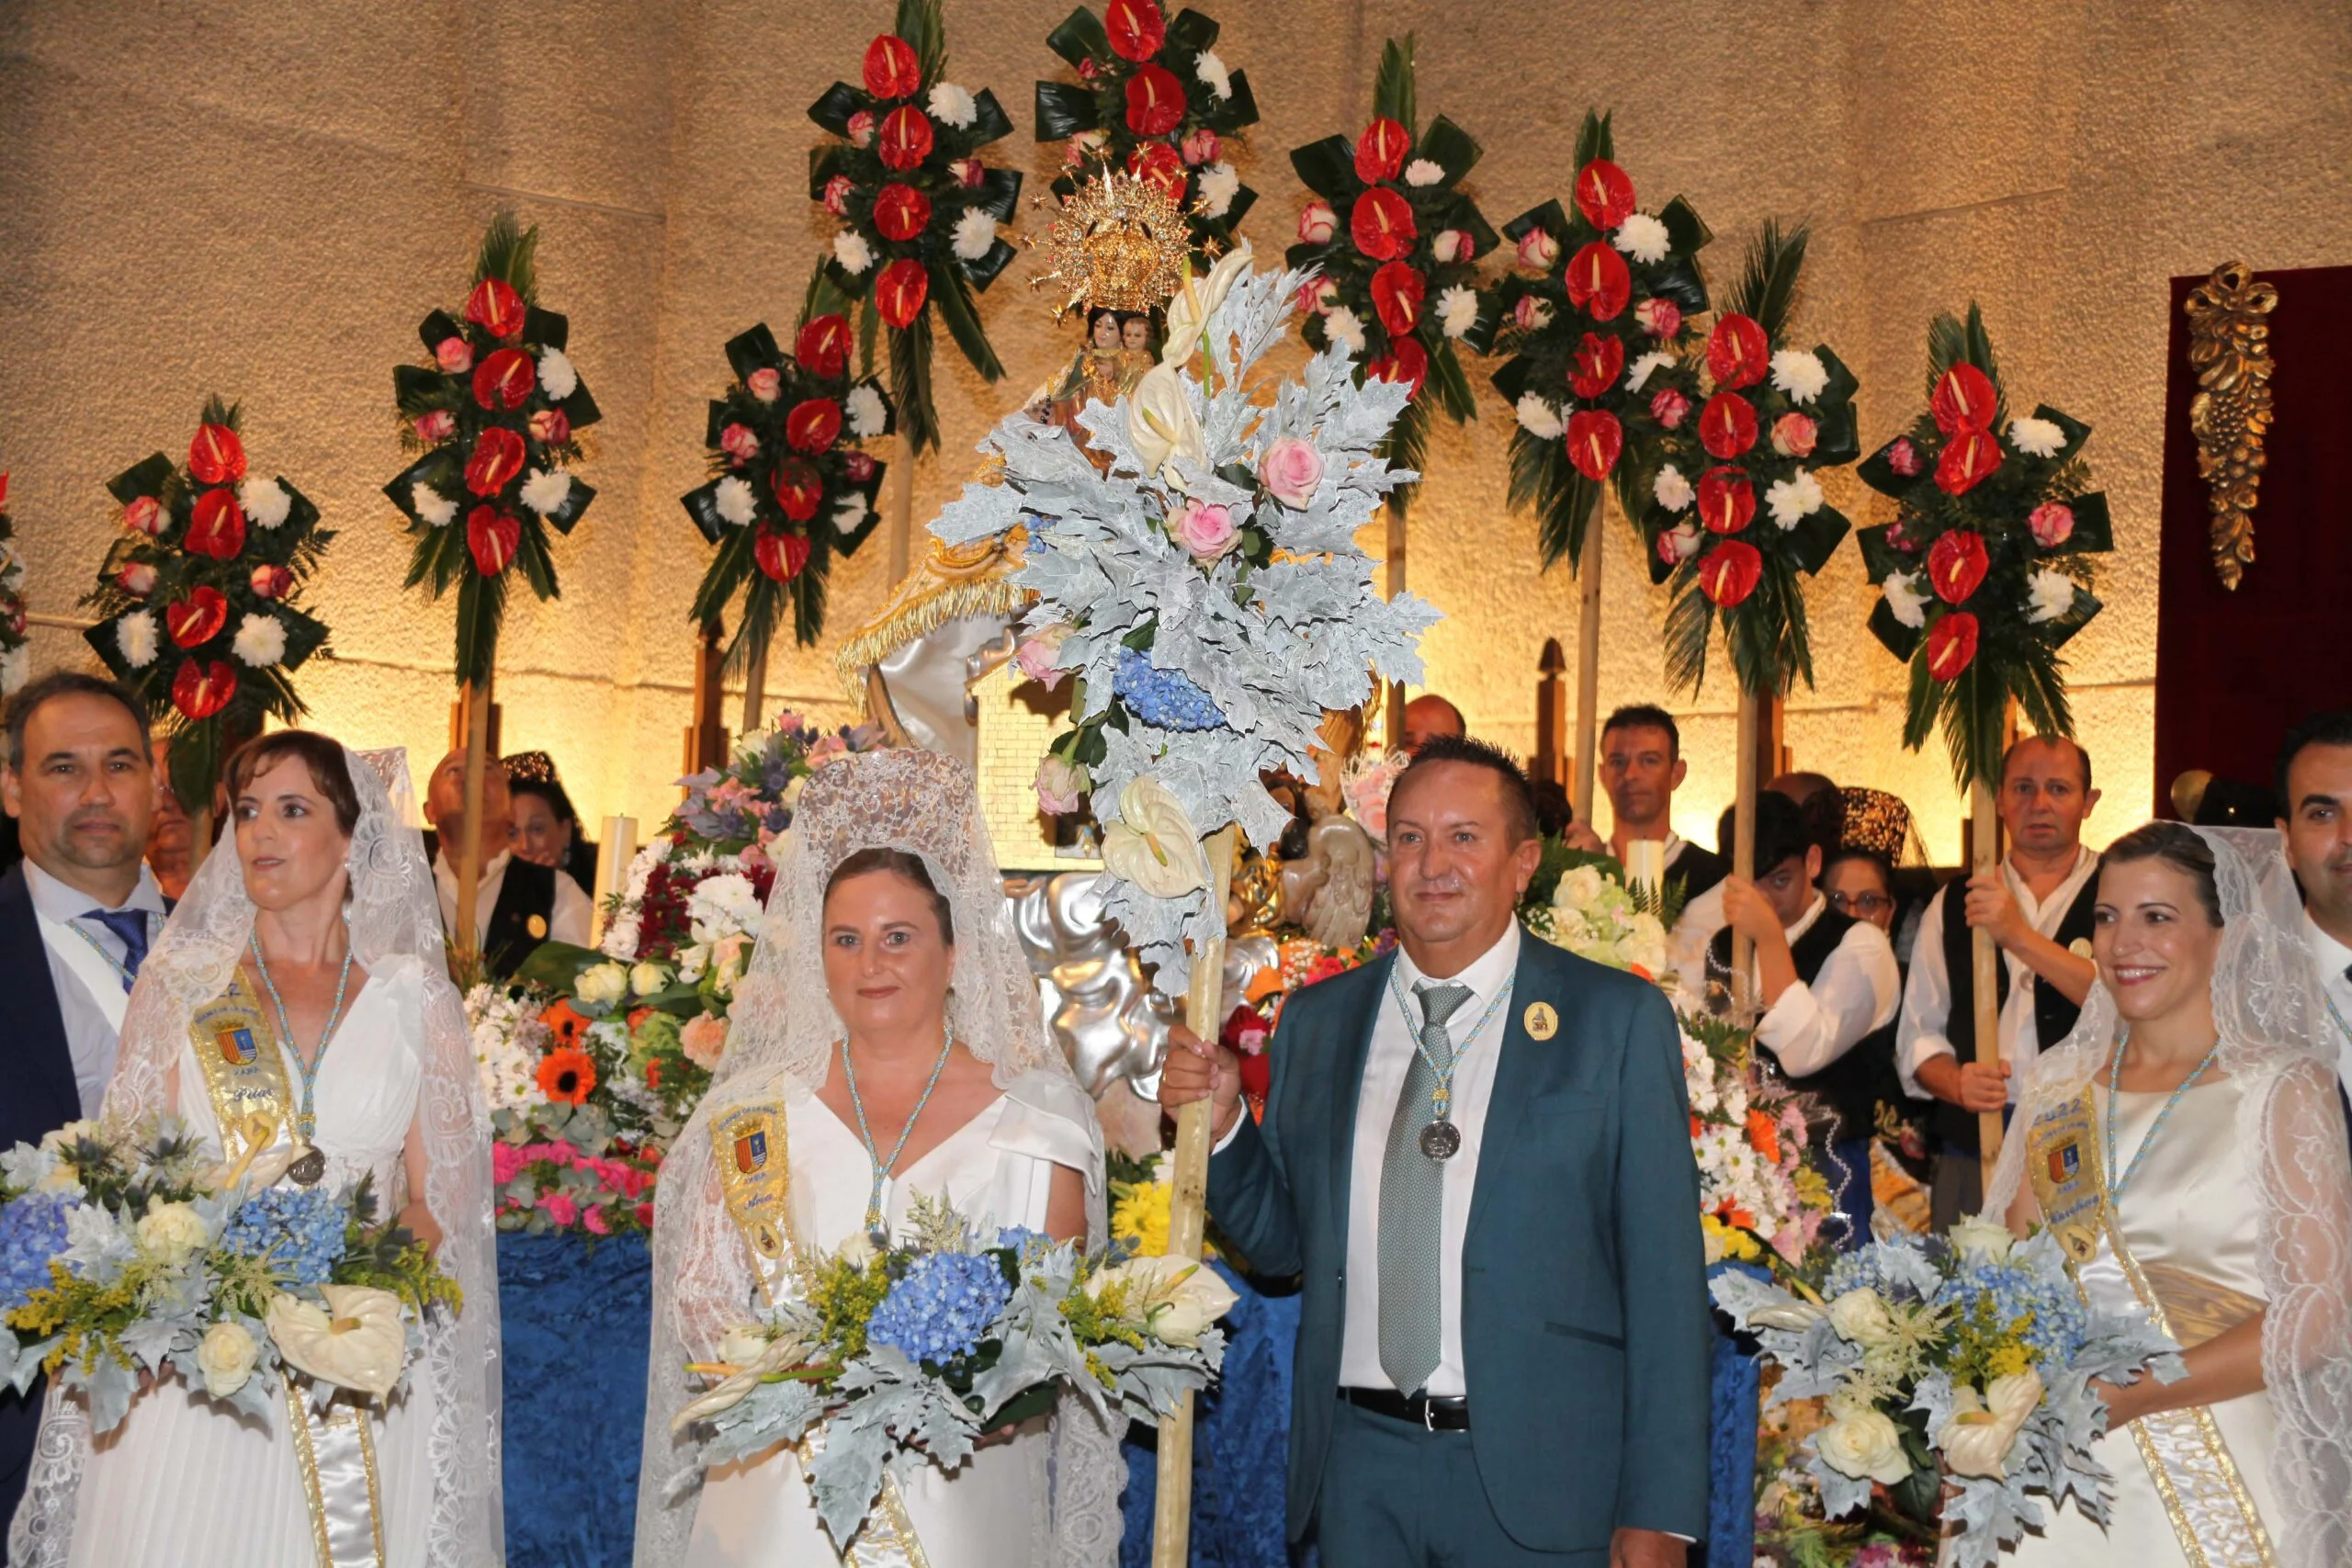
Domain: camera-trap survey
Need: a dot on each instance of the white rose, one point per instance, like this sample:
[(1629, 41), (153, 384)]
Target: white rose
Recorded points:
[(547, 493), (226, 1356), (1977, 1438), (171, 1233), (1642, 237), (135, 637), (1861, 1316), (647, 978), (952, 106), (1866, 1445), (1538, 418), (1800, 374), (1639, 374), (433, 509), (857, 1251), (975, 233), (1973, 1236), (264, 501), (556, 376), (1579, 887), (1219, 183), (1673, 491), (2049, 594), (603, 986), (733, 500), (1903, 597), (1793, 499), (2036, 437), (866, 415), (850, 249), (1457, 311)]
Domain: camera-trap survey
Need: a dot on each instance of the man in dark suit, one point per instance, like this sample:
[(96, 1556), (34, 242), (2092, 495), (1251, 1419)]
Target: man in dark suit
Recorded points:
[(77, 918), (1477, 1154)]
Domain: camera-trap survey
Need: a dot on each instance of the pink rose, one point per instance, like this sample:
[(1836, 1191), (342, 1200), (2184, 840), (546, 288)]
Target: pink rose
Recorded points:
[(836, 191), (560, 1208), (2053, 523), (136, 579), (765, 384), (861, 129), (1037, 654), (1679, 544), (1451, 245), (1292, 470), (1668, 407), (1904, 458), (1201, 147), (1538, 250), (1531, 313), (436, 426), (454, 354), (1061, 786), (1318, 295), (703, 1040), (1206, 530), (968, 171), (591, 1220), (143, 514), (270, 581), (1317, 223), (506, 1162), (1659, 318), (551, 427), (739, 442), (1793, 435)]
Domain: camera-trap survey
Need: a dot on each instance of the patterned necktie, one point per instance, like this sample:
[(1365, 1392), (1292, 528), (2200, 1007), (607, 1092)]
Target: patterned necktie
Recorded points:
[(130, 927), (1412, 1209)]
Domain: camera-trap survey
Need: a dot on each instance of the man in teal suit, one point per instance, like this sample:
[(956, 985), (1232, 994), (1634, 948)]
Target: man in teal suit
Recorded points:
[(1477, 1154)]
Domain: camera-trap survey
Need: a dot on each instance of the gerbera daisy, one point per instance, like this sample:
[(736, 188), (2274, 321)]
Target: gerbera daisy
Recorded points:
[(566, 1075), (565, 1024)]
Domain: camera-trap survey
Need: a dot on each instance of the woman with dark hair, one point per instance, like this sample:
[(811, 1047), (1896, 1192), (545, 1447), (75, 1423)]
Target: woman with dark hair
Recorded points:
[(545, 828)]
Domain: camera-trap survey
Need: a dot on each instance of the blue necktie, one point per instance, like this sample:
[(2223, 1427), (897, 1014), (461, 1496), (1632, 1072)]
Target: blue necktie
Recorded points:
[(130, 926)]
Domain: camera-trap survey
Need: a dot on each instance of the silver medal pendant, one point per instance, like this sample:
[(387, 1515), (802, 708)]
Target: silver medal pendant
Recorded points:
[(310, 1164), (1441, 1140)]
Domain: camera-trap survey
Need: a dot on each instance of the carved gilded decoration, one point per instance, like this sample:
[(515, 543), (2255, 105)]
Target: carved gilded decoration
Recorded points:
[(2229, 344)]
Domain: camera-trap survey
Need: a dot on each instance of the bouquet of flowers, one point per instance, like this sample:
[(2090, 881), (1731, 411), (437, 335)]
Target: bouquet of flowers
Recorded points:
[(1583, 903), (1152, 99), (222, 554), (1965, 1363), (939, 1338), (120, 1256), (1760, 1198), (15, 661), (791, 485), (919, 210), (495, 419)]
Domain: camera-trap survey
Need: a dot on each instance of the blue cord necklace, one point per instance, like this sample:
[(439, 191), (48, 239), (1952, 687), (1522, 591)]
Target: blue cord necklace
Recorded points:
[(2115, 1091), (875, 1229), (312, 1163)]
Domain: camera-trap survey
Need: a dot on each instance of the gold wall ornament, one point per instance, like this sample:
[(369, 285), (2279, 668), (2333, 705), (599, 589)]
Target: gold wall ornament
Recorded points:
[(1116, 243), (2229, 344)]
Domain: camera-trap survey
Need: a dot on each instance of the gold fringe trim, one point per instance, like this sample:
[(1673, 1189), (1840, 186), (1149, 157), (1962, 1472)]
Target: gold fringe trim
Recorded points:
[(949, 584)]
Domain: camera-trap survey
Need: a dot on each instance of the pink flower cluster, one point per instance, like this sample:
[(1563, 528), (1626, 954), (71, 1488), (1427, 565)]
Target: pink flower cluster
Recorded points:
[(625, 1183)]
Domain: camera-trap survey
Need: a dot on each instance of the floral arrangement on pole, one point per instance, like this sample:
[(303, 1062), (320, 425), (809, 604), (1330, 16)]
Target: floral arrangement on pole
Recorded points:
[(1153, 100), (919, 210), (15, 660), (1596, 321), (196, 599), (1393, 243), (494, 418), (1982, 575), (791, 487)]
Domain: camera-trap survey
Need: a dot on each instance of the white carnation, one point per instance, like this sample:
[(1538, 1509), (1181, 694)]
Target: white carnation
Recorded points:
[(951, 104), (260, 641), (1457, 311), (975, 233), (866, 415), (134, 637), (1214, 76), (2048, 596), (1345, 328), (849, 512), (264, 501), (1539, 418), (557, 375), (1793, 499), (1219, 183), (1642, 237), (1424, 172), (1644, 367), (1673, 492), (2036, 437), (1903, 597), (432, 506), (545, 493), (850, 249), (1800, 374), (733, 500)]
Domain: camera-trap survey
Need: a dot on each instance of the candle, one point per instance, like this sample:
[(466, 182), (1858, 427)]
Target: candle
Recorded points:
[(612, 865), (1646, 864)]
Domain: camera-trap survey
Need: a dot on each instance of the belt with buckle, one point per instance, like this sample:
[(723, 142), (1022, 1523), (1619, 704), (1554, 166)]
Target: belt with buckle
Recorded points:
[(1444, 1413)]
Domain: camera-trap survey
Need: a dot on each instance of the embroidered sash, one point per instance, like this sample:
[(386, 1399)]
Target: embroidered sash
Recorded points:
[(2212, 1513), (244, 1074)]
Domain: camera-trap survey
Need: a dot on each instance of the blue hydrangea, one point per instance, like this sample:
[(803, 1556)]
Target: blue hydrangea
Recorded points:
[(1166, 699), (32, 1231), (298, 1229), (2060, 1322), (1020, 1239), (940, 1307)]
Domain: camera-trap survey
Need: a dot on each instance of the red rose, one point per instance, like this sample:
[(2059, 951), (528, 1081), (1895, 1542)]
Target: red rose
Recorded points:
[(270, 581), (741, 442), (1598, 281), (1956, 565), (216, 457), (496, 308), (1382, 225), (1595, 441), (1380, 151), (798, 488), (858, 466), (1968, 458), (136, 578), (1158, 164), (455, 355), (1137, 29), (836, 191), (493, 537), (1964, 399), (1793, 435), (1951, 644), (1727, 425), (218, 528), (891, 69), (201, 689), (498, 457), (1727, 500), (1739, 353), (143, 514), (1598, 360), (906, 138), (1396, 292), (901, 211), (436, 426), (551, 427), (823, 347), (1605, 195), (197, 619), (860, 129), (900, 291), (1200, 146), (1660, 318), (1670, 408), (505, 379), (781, 555), (1730, 573), (1155, 101), (1406, 361), (812, 425)]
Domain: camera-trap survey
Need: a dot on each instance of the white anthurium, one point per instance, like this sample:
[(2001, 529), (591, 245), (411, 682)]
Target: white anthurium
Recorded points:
[(355, 1341), (1977, 1438), (1162, 425), (1153, 844), (1174, 1299), (1197, 301)]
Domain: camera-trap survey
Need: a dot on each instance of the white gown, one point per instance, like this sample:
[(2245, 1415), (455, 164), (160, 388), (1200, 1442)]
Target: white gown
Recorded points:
[(181, 1484), (997, 1169)]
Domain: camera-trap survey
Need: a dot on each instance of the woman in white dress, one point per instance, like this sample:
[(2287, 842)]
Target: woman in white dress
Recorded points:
[(2186, 1143), (323, 930), (887, 1042)]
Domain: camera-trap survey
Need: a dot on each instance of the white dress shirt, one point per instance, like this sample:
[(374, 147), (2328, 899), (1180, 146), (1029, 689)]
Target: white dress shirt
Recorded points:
[(1858, 990), (2333, 962), (1927, 1000), (90, 993), (567, 921)]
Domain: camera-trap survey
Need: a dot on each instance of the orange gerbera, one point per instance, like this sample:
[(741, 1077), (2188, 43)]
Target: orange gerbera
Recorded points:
[(1762, 1132), (566, 1075), (566, 1025)]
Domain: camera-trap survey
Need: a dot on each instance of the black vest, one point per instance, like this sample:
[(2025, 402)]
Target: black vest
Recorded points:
[(2053, 1015), (519, 920), (1852, 1085), (1696, 870)]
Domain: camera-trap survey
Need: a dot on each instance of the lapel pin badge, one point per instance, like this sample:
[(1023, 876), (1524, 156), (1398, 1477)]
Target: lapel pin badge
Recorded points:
[(538, 926), (1540, 1020)]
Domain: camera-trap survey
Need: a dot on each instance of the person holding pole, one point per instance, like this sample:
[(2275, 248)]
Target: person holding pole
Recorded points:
[(518, 904), (1476, 1153), (2038, 910), (1641, 767)]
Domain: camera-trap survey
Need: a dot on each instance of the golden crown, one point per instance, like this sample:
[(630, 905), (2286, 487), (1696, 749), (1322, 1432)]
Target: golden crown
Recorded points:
[(1116, 243)]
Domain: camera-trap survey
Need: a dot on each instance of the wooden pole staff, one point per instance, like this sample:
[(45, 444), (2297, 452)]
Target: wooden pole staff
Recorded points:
[(1394, 585), (476, 703), (1588, 665), (1984, 855), (903, 511), (1188, 1207), (1743, 849), (756, 686)]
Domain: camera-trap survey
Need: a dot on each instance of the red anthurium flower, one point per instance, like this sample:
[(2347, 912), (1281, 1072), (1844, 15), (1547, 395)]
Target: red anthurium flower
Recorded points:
[(1397, 288), (900, 291), (1604, 194), (781, 555), (1727, 425), (1727, 500), (1951, 644), (1956, 565), (197, 619), (1738, 353), (905, 140), (1598, 360), (1382, 224), (1968, 458), (498, 457), (1136, 29), (1964, 399), (496, 308), (493, 537), (217, 527), (891, 69), (504, 379), (1730, 573), (216, 457), (798, 488), (901, 211), (823, 347), (811, 426), (1380, 151), (1595, 440), (202, 689), (1158, 164), (1406, 361), (1155, 101), (1598, 280)]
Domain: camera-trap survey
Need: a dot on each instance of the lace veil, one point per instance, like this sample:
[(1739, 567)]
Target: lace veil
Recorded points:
[(782, 1037), (2274, 1040), (395, 918)]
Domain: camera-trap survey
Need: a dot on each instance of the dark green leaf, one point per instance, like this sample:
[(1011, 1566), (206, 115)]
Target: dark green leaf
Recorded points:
[(1685, 230), (1450, 147), (1235, 113), (1550, 217), (835, 105), (953, 294), (702, 505), (150, 476), (1392, 89), (911, 383), (1065, 109), (1766, 289), (1897, 638), (989, 123), (753, 350), (1450, 385), (549, 329), (1327, 168), (1815, 538), (1079, 37)]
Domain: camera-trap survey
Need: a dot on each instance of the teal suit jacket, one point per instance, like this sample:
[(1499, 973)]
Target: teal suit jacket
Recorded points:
[(1585, 1323)]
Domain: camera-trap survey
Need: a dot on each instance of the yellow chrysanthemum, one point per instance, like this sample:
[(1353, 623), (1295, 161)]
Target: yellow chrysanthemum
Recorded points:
[(1140, 1218), (1727, 1241)]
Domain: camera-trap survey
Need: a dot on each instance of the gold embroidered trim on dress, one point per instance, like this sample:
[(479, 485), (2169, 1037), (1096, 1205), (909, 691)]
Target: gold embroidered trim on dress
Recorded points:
[(950, 583)]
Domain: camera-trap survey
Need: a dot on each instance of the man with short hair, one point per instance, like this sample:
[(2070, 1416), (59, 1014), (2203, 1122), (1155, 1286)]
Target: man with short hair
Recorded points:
[(2314, 784), (2038, 908), (1428, 717), (1477, 1154), (517, 905), (1641, 767)]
